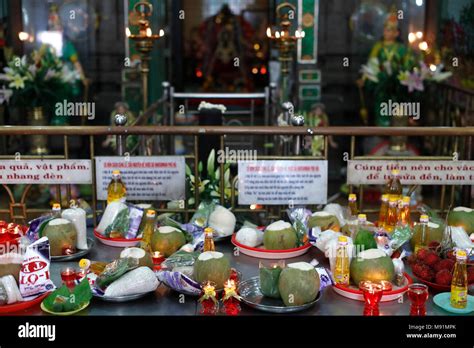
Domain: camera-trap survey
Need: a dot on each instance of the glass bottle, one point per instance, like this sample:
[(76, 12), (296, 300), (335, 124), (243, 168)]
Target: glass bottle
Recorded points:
[(116, 191), (353, 205), (421, 242), (392, 214), (394, 187), (148, 230), (209, 239), (459, 281), (341, 271), (56, 210), (404, 211), (383, 210)]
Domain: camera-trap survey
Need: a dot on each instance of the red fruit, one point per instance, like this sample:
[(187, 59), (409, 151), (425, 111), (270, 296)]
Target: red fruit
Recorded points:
[(431, 259), (421, 254), (444, 264), (450, 255), (423, 271), (444, 277), (433, 245), (411, 259)]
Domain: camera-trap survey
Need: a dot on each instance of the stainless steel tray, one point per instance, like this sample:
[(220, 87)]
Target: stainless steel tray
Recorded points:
[(80, 253), (222, 239), (123, 298), (249, 290)]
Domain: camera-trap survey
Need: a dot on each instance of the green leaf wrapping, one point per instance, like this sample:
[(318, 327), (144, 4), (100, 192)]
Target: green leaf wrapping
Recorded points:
[(120, 224), (115, 270), (62, 300)]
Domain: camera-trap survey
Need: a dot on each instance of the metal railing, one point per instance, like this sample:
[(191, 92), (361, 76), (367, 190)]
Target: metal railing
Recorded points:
[(462, 134)]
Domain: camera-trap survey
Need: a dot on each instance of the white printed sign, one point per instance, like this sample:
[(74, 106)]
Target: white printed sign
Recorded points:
[(48, 171), (283, 182), (146, 178), (423, 172)]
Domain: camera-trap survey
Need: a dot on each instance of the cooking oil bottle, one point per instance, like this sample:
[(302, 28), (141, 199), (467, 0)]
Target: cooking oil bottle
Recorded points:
[(383, 210), (209, 239), (353, 205), (148, 230), (116, 191), (404, 211), (394, 187), (459, 282), (422, 241), (56, 210), (341, 271), (392, 214)]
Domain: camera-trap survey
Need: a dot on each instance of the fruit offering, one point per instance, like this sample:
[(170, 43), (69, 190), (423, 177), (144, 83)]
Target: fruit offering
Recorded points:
[(432, 266)]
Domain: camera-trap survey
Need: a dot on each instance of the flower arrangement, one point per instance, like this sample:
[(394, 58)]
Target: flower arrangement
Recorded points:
[(40, 79), (412, 77), (209, 187)]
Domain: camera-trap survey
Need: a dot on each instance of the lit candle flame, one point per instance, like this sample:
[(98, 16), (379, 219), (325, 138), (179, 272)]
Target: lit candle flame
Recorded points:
[(127, 32), (423, 46), (269, 32), (162, 32), (277, 34), (148, 32), (23, 36)]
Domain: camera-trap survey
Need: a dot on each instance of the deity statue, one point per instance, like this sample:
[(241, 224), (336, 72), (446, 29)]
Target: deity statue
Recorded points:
[(387, 59)]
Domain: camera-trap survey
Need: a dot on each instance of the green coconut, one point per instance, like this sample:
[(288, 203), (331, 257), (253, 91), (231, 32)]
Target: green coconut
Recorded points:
[(298, 284), (280, 235), (212, 266), (62, 235), (462, 217), (143, 257), (167, 240), (10, 264), (434, 232), (325, 221), (373, 265), (365, 240)]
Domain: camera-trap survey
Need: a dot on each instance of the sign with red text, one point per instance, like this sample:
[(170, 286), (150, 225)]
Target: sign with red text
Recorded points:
[(283, 182), (147, 178), (48, 171), (423, 172)]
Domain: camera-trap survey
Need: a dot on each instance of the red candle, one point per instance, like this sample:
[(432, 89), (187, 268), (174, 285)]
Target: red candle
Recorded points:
[(418, 295), (157, 258), (68, 275)]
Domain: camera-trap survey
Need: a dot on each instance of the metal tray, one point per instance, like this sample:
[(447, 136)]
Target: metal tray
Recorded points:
[(222, 239), (249, 290), (80, 253), (122, 298)]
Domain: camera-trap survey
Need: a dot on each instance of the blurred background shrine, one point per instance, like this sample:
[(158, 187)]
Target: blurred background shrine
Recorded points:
[(155, 61)]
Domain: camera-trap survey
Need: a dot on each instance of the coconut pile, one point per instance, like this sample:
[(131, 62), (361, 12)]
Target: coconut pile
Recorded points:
[(296, 284)]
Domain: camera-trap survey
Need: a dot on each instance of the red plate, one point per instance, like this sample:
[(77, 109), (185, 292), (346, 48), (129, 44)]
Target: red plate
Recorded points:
[(270, 254), (356, 294), (19, 306), (117, 242)]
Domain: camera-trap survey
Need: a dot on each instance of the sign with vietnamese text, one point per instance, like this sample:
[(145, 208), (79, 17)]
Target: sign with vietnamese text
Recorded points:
[(48, 171), (283, 182), (423, 172), (147, 178)]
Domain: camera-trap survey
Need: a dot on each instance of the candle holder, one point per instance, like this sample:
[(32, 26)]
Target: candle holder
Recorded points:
[(208, 304), (418, 295), (144, 41), (230, 298), (372, 296), (68, 276), (285, 41), (157, 258)]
